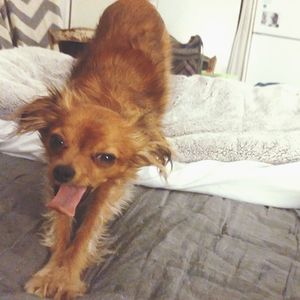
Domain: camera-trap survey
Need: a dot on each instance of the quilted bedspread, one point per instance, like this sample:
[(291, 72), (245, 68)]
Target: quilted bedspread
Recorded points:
[(167, 244)]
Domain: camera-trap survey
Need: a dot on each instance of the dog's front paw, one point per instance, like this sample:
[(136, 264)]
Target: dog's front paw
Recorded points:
[(56, 284)]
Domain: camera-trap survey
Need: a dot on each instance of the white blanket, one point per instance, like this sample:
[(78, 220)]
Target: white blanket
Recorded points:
[(227, 120), (25, 73), (208, 119), (248, 181)]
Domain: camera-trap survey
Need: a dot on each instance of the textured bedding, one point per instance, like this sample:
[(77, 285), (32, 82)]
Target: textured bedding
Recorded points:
[(229, 120), (208, 118), (168, 245), (249, 181)]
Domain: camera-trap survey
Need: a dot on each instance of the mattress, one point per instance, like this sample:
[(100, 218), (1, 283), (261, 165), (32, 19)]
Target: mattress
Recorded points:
[(166, 245)]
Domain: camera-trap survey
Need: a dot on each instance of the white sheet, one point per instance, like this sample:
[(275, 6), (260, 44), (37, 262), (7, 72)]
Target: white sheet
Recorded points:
[(249, 181), (26, 145)]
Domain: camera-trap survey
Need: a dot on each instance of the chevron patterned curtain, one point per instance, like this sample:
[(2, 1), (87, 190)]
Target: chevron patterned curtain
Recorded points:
[(5, 38), (30, 20)]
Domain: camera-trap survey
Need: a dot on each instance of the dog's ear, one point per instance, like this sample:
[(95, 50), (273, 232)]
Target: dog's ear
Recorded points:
[(38, 115), (156, 153)]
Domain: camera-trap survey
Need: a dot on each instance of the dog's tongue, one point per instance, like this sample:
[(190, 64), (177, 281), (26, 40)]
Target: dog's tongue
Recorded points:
[(67, 199)]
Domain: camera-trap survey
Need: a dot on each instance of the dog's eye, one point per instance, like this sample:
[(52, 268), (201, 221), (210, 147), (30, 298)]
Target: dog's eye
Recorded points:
[(105, 158), (56, 142)]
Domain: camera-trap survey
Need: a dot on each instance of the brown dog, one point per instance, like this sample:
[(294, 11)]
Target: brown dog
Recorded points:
[(98, 131)]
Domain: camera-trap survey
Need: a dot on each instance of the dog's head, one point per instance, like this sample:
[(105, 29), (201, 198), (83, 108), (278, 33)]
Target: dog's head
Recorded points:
[(87, 144)]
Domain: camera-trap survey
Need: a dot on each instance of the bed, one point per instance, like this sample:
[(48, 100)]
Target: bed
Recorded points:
[(171, 242)]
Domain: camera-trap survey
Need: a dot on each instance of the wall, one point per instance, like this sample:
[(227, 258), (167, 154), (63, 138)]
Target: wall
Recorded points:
[(214, 20), (85, 13)]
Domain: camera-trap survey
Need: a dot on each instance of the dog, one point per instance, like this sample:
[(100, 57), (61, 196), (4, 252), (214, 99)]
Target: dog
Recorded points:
[(98, 131)]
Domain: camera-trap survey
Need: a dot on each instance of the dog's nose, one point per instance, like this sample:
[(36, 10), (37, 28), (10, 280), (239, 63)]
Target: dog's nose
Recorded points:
[(63, 173)]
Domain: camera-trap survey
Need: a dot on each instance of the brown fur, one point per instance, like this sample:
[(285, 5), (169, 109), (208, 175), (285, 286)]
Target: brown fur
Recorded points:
[(112, 103)]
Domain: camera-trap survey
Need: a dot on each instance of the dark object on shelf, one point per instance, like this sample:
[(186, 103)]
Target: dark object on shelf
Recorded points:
[(71, 41), (187, 57), (208, 64)]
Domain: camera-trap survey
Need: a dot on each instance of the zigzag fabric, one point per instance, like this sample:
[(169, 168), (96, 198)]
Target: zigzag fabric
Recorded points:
[(187, 57), (31, 20), (5, 38)]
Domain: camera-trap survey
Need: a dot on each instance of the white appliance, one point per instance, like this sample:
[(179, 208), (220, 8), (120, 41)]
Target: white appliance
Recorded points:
[(274, 54)]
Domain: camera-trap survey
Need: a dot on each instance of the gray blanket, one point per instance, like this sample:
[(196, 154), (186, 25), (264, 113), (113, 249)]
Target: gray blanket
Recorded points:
[(168, 245)]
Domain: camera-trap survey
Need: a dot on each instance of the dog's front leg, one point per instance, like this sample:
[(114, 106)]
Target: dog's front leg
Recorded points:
[(57, 233), (81, 252), (61, 277), (56, 236), (87, 246)]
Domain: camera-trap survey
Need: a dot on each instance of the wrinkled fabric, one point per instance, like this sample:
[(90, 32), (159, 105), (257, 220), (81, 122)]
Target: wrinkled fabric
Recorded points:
[(167, 244)]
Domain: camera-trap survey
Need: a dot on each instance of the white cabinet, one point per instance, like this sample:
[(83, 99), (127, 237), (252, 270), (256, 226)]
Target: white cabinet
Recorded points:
[(275, 46), (274, 59), (285, 24)]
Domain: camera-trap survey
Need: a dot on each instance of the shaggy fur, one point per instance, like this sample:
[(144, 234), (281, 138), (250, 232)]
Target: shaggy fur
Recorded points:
[(101, 128)]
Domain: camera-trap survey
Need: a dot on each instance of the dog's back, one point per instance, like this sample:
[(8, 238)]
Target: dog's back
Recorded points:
[(127, 63)]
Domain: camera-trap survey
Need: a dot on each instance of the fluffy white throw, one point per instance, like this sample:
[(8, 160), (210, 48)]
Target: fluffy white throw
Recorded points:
[(208, 119), (227, 120), (27, 72)]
